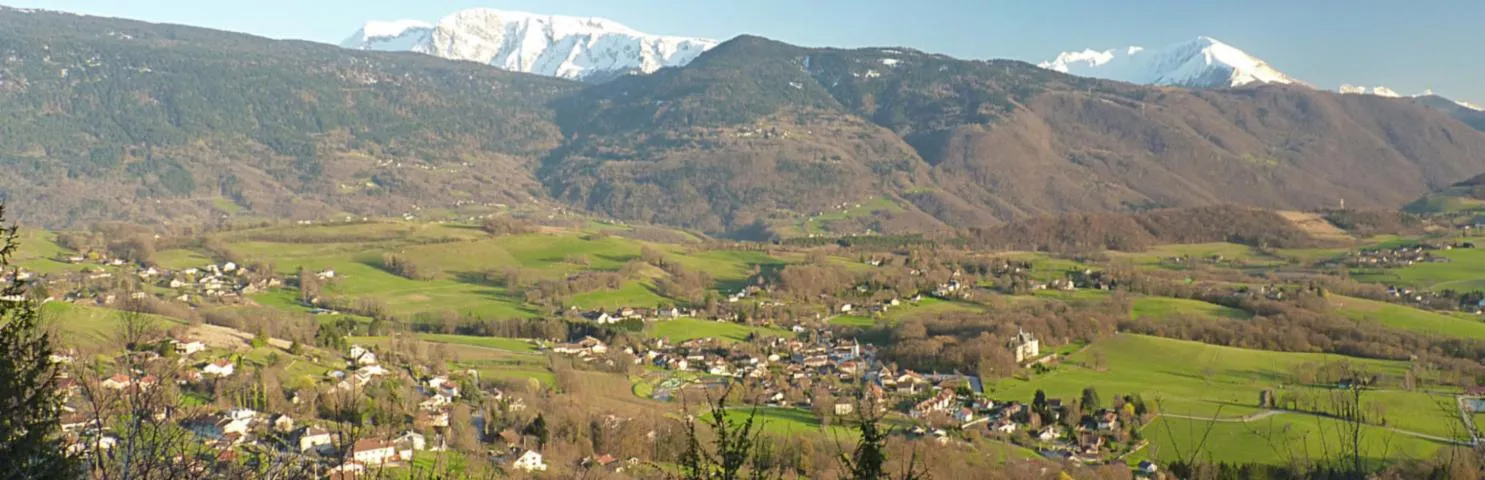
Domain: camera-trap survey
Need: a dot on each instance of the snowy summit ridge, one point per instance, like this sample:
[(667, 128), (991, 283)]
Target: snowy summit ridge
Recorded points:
[(1203, 62), (575, 48)]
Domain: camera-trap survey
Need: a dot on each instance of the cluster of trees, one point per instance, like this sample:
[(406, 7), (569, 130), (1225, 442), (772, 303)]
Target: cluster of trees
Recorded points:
[(980, 343), (1368, 223), (1088, 232), (502, 225), (405, 267), (683, 284), (544, 292)]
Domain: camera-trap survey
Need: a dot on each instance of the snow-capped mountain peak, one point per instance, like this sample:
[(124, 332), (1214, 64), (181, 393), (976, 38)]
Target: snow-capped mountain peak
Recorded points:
[(580, 48), (1203, 62)]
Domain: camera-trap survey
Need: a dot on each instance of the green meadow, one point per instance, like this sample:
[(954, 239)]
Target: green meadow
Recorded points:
[(1164, 307), (927, 307), (682, 329), (1195, 379), (85, 325), (1276, 440), (1453, 324)]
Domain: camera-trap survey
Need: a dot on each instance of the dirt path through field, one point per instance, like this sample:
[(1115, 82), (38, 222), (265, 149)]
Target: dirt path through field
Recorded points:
[(1316, 226), (222, 337)]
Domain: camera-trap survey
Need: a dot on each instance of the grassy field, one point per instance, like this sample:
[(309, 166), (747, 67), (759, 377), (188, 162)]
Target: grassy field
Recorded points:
[(1199, 252), (1274, 440), (1046, 267), (38, 252), (682, 329), (793, 421), (83, 325), (502, 343), (1163, 307), (1407, 318), (822, 223), (907, 311), (631, 294), (1190, 378), (729, 268), (492, 357)]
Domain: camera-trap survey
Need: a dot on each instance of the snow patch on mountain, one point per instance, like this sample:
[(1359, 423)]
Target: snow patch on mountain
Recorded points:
[(576, 48), (391, 36), (1200, 63), (1360, 90)]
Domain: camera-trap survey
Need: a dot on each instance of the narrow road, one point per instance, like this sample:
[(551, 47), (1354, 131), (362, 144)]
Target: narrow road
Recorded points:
[(1250, 418)]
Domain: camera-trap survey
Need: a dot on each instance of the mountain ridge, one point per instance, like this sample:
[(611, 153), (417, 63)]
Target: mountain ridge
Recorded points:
[(575, 48), (181, 124)]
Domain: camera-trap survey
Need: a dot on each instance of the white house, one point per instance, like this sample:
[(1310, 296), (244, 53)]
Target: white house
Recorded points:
[(313, 437), (408, 444), (530, 462), (188, 346), (371, 371), (367, 358), (117, 382), (220, 368), (373, 452), (414, 439)]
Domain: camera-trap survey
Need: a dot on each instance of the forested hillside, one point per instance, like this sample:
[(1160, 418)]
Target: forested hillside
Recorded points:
[(110, 118)]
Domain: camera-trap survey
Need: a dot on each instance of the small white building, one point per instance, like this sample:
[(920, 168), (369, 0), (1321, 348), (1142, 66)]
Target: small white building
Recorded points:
[(373, 452), (367, 358), (530, 462), (313, 438), (117, 382), (188, 346), (220, 368)]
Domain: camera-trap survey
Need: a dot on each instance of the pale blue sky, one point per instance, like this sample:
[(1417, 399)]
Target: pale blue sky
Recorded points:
[(1406, 45)]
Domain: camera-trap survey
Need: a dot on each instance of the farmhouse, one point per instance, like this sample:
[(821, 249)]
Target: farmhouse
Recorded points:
[(220, 368), (188, 346), (373, 452), (529, 462)]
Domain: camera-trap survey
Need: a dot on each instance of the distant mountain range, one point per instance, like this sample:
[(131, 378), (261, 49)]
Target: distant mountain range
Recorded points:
[(597, 49), (1200, 63), (574, 48), (117, 119)]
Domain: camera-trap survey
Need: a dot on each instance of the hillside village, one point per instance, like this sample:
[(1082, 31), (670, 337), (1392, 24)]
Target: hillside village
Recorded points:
[(803, 341)]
